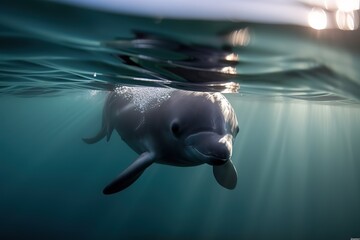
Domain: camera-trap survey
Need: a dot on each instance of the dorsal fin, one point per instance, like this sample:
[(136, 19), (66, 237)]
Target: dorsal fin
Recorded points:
[(100, 135)]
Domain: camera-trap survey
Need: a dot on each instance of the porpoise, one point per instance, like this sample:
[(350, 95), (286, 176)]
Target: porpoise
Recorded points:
[(172, 127)]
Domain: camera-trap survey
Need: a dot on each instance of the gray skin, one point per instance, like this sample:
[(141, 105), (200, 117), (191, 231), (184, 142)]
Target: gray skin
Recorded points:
[(186, 129)]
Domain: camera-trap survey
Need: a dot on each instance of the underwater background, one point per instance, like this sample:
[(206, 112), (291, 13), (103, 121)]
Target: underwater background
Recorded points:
[(295, 91)]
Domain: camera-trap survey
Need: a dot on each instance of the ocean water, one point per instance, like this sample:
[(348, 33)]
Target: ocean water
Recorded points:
[(295, 91)]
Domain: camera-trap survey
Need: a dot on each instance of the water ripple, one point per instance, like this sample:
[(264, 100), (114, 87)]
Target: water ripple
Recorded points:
[(42, 53)]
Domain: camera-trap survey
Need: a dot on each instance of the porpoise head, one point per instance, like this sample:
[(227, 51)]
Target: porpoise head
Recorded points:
[(206, 130)]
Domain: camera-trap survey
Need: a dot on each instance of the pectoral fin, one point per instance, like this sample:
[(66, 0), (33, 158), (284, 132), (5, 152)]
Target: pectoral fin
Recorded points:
[(226, 175), (131, 174)]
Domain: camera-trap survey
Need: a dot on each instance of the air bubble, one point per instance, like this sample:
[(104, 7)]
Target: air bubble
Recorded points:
[(145, 98)]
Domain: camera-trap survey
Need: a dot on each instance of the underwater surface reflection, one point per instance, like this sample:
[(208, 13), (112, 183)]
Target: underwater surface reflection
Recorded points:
[(46, 54)]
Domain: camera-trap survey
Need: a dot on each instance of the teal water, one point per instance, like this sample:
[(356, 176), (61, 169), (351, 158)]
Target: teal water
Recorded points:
[(295, 92)]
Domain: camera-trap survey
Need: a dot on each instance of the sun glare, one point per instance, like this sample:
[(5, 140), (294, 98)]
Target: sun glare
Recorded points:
[(317, 19), (347, 5), (347, 20)]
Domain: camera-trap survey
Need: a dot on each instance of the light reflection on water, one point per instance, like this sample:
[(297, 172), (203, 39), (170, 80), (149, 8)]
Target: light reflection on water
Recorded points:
[(343, 14), (264, 60)]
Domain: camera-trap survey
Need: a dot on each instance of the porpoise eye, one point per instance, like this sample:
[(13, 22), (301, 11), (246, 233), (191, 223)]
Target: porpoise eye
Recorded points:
[(175, 128)]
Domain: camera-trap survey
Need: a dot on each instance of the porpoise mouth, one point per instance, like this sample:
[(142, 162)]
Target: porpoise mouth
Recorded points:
[(209, 147), (208, 158)]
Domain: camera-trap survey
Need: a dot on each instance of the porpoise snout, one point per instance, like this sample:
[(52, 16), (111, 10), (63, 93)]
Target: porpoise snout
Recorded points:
[(210, 147)]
